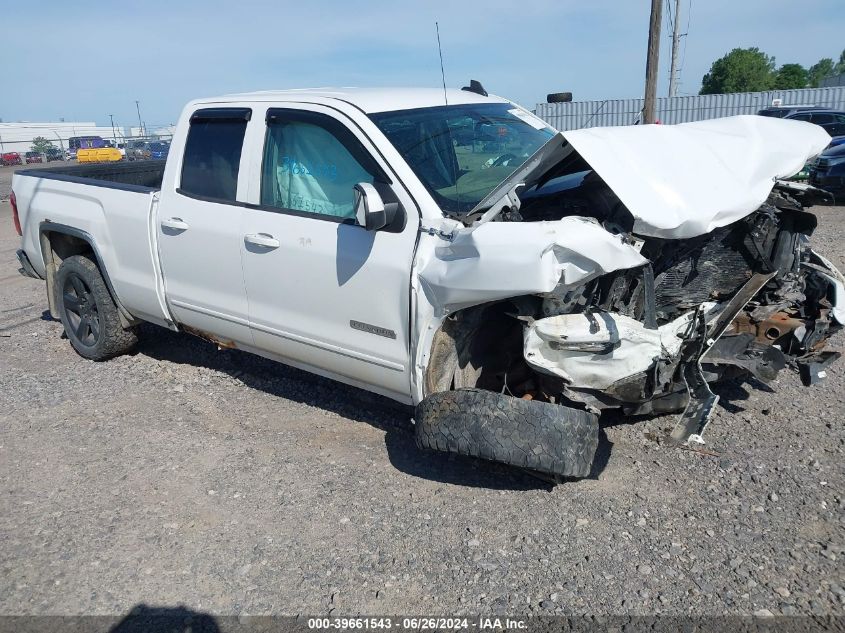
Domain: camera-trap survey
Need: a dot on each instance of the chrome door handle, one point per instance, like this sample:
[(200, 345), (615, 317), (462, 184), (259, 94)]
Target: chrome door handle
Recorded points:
[(262, 239), (175, 224)]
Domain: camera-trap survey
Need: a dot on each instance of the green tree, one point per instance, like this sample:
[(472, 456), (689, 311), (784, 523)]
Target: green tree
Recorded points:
[(41, 144), (791, 76), (741, 70), (818, 71)]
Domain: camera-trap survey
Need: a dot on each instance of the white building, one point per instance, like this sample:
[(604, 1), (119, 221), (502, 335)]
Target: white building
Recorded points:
[(17, 137)]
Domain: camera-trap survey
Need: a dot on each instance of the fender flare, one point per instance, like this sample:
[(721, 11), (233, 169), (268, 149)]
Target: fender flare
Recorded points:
[(47, 227)]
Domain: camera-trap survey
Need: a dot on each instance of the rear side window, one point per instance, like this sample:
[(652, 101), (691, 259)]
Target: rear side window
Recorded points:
[(822, 118), (213, 152)]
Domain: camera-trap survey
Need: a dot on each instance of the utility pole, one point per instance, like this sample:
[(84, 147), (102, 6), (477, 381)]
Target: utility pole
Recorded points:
[(652, 61), (140, 124), (113, 135), (676, 41)]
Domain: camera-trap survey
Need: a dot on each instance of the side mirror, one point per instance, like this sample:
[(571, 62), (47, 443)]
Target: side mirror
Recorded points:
[(369, 207)]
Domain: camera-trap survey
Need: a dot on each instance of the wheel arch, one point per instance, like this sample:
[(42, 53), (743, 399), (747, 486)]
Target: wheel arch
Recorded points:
[(453, 358), (60, 241)]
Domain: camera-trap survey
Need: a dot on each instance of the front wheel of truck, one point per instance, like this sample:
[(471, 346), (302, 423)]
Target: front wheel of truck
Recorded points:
[(547, 438), (88, 312)]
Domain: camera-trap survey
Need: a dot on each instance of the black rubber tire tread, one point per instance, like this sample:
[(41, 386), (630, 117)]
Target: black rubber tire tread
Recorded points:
[(540, 436), (559, 97), (114, 340)]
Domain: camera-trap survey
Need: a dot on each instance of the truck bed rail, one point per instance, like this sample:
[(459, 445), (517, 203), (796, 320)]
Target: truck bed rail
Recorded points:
[(141, 176)]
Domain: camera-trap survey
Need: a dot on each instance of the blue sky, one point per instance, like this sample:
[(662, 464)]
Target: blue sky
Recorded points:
[(85, 59)]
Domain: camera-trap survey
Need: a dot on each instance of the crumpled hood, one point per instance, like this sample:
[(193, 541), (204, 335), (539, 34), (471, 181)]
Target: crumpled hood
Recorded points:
[(679, 181)]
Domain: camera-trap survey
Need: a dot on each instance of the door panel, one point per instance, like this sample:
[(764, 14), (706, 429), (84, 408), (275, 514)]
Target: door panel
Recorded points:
[(331, 296), (202, 267), (200, 229)]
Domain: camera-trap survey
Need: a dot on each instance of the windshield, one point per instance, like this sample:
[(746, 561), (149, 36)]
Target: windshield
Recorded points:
[(462, 152)]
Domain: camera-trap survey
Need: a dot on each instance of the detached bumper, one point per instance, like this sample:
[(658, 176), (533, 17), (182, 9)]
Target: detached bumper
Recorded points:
[(26, 268)]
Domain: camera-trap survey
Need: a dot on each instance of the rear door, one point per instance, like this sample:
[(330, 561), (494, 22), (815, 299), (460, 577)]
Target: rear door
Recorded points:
[(325, 293), (200, 233)]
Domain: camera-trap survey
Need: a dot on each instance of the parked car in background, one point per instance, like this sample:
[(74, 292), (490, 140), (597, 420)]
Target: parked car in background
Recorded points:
[(137, 150), (78, 142), (159, 149), (781, 112), (34, 157), (837, 140), (11, 158), (828, 171), (833, 121), (55, 153)]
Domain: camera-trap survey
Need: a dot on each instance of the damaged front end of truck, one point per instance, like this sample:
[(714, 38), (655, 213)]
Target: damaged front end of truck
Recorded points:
[(629, 269)]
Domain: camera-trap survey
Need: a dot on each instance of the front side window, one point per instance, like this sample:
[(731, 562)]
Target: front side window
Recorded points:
[(312, 164), (462, 152), (213, 153)]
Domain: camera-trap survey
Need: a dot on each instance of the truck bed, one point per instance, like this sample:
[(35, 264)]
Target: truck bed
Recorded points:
[(110, 207), (142, 176)]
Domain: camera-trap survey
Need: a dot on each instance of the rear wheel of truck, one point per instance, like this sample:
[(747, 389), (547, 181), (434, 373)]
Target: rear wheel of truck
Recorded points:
[(540, 436), (88, 312)]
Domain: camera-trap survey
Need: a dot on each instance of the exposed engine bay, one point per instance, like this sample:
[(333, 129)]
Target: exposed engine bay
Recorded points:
[(749, 298)]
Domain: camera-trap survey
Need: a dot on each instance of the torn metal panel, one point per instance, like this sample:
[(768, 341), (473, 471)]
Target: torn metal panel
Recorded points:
[(696, 415), (762, 359), (499, 260), (596, 350), (827, 270), (679, 181)]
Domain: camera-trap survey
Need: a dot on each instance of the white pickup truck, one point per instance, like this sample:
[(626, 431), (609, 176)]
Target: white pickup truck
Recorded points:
[(451, 250)]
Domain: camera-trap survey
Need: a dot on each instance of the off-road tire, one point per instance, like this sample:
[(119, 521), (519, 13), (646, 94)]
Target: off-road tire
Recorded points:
[(559, 97), (540, 436), (82, 295)]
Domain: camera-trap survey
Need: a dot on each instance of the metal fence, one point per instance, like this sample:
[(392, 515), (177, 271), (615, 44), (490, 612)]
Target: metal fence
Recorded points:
[(581, 114)]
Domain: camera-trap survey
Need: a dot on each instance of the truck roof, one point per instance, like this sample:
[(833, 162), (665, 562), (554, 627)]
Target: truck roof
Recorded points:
[(370, 100)]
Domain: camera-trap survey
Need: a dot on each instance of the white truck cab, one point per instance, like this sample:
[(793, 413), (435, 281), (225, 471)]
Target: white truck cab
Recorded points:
[(417, 243)]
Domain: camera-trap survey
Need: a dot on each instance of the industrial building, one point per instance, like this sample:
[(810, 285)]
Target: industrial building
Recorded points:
[(18, 137)]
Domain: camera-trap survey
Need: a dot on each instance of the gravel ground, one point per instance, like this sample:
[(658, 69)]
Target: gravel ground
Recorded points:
[(233, 485)]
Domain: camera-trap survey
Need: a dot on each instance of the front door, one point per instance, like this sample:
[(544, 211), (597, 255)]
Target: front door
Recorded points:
[(325, 293), (200, 233)]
